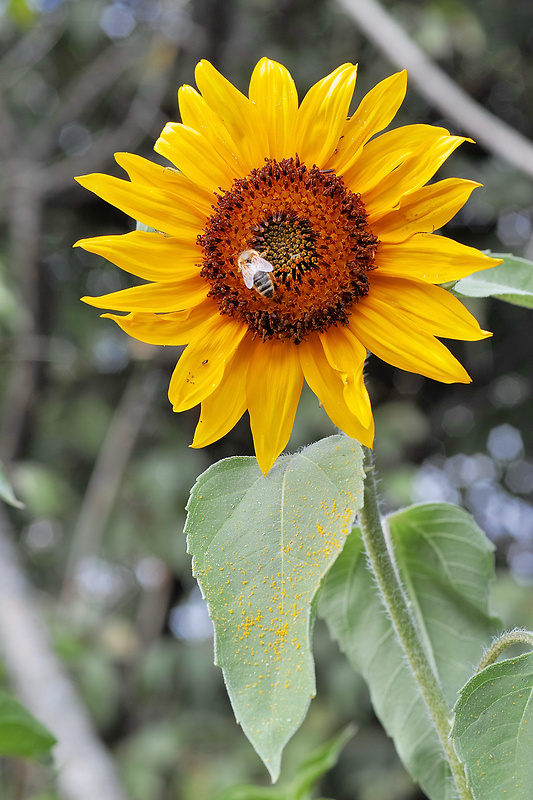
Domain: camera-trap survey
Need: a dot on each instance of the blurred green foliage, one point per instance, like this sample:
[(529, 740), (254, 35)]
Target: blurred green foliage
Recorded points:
[(91, 444), (20, 734)]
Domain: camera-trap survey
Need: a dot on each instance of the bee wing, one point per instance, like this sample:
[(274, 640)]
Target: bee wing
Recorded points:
[(262, 265), (248, 274)]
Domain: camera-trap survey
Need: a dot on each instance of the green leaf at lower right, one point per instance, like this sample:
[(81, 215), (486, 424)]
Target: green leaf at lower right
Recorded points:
[(493, 730)]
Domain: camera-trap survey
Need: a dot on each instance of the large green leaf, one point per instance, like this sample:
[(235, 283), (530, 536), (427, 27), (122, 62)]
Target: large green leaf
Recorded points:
[(21, 736), (260, 547), (511, 281), (493, 730), (445, 563)]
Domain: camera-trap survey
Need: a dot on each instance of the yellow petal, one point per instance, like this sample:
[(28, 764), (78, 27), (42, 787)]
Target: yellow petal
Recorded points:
[(375, 111), (416, 170), (196, 114), (390, 337), (322, 115), (223, 409), (347, 356), (273, 91), (425, 307), (382, 155), (328, 386), (177, 328), (153, 207), (151, 256), (201, 367), (172, 296), (356, 396), (141, 170), (192, 154), (239, 115), (273, 391), (425, 210), (431, 258)]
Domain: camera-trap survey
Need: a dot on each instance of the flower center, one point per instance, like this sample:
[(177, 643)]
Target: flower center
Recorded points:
[(288, 250)]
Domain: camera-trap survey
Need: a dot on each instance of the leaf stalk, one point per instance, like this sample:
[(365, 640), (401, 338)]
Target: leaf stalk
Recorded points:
[(516, 636)]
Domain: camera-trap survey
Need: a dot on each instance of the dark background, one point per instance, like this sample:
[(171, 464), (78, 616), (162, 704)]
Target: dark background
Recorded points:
[(87, 434)]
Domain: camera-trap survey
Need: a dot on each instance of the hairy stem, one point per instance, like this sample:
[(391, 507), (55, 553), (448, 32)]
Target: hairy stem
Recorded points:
[(381, 559), (516, 636)]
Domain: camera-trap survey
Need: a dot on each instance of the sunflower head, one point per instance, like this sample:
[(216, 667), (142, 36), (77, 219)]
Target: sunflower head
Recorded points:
[(288, 241)]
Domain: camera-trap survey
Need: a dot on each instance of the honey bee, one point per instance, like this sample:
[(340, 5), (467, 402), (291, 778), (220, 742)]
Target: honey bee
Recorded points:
[(255, 272)]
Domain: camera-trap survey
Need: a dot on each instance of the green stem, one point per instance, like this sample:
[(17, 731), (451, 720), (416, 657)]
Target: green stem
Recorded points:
[(517, 636), (381, 559)]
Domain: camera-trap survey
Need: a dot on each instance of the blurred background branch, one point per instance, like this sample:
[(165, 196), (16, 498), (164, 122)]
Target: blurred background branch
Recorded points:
[(437, 87), (82, 92), (143, 118), (85, 769), (29, 177)]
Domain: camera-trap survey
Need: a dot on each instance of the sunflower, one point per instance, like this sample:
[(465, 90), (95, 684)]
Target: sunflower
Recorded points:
[(286, 241)]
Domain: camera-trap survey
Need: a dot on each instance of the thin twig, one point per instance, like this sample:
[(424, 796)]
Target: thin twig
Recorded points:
[(107, 475), (144, 117), (85, 769), (25, 218), (8, 136), (80, 94), (31, 48), (439, 89)]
